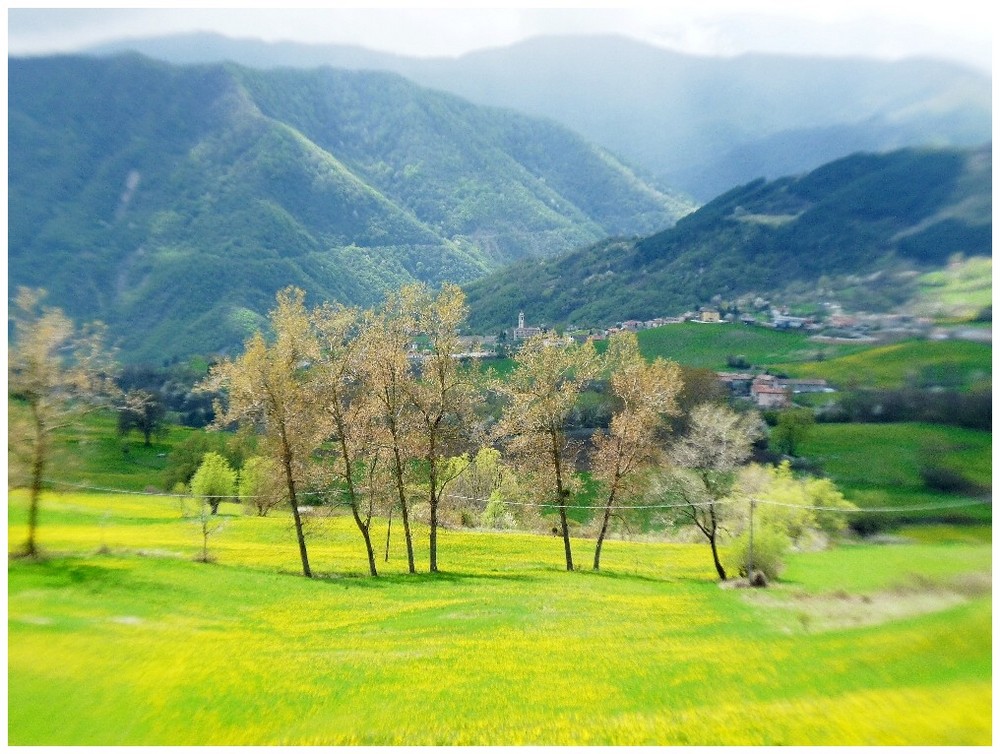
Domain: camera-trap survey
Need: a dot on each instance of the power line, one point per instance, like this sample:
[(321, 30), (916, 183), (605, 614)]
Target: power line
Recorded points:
[(655, 506)]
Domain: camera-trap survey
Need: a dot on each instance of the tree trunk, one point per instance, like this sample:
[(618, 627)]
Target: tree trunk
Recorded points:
[(561, 494), (607, 516), (432, 457), (293, 501), (401, 488), (30, 548), (286, 461), (565, 528), (352, 494), (366, 533), (37, 471), (388, 535), (715, 557), (215, 506), (600, 536), (433, 538)]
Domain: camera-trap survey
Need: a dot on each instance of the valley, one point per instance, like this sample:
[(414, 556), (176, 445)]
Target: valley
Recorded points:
[(572, 392)]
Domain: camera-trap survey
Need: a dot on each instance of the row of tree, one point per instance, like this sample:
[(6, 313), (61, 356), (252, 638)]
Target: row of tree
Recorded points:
[(373, 410), (358, 404)]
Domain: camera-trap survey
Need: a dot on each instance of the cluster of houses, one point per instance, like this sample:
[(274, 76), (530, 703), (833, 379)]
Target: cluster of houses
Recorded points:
[(768, 391)]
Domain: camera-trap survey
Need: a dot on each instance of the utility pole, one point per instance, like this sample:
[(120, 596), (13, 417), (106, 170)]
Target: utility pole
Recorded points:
[(750, 553)]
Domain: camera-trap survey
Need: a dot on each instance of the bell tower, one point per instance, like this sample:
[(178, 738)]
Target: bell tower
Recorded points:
[(520, 320)]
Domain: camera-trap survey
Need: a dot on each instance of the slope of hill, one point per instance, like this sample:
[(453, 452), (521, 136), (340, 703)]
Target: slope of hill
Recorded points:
[(837, 231), (701, 125), (173, 202)]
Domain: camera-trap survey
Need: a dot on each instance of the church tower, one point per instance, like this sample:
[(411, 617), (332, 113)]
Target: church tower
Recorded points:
[(520, 320)]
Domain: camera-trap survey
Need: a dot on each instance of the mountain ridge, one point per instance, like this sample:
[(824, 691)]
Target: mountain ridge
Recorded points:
[(691, 122), (138, 188), (855, 229)]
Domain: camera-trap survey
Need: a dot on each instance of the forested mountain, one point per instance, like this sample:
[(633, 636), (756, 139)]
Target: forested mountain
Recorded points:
[(173, 202), (837, 231), (698, 124)]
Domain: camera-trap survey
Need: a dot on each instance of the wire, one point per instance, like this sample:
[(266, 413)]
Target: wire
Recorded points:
[(656, 506)]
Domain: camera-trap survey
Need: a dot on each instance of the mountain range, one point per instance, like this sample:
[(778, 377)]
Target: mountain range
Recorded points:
[(856, 231), (698, 125), (174, 201)]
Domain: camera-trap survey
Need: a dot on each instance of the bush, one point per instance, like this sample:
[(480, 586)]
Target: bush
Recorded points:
[(870, 523), (496, 515), (214, 480), (770, 545)]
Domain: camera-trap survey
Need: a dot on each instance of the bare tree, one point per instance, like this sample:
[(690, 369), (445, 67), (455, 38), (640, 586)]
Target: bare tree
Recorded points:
[(58, 373), (443, 397), (389, 377), (646, 395), (350, 411), (717, 443), (541, 393), (268, 387)]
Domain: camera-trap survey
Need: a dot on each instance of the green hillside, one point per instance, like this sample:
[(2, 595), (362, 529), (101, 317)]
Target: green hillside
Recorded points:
[(173, 202), (852, 231), (918, 363), (711, 345), (702, 124)]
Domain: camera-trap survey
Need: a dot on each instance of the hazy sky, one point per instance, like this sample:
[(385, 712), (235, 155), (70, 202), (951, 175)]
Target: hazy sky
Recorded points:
[(951, 29)]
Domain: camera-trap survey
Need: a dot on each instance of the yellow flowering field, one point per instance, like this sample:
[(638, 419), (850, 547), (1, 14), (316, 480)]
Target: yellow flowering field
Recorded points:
[(119, 637)]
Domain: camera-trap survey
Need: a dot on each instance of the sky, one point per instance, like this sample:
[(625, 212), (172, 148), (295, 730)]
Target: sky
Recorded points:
[(959, 30)]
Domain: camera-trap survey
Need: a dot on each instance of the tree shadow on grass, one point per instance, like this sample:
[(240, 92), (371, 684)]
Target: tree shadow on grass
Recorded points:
[(365, 580), (56, 571), (628, 576)]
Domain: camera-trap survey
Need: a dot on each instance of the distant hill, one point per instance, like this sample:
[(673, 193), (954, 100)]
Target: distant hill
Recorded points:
[(834, 233), (173, 202), (699, 125)]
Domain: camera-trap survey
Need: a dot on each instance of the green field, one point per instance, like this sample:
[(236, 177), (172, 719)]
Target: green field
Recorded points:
[(708, 345), (917, 363), (878, 466), (92, 453), (862, 645), (960, 290), (921, 363)]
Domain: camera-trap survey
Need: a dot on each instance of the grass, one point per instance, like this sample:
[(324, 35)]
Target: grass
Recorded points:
[(960, 291), (92, 453), (709, 345), (878, 465), (144, 646), (946, 363)]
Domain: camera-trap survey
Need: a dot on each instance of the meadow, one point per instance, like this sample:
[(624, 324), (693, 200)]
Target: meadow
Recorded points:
[(119, 637), (709, 345), (919, 363), (878, 466)]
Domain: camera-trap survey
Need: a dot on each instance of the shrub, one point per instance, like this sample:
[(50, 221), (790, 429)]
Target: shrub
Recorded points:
[(214, 480), (260, 485), (870, 523), (770, 546), (496, 515)]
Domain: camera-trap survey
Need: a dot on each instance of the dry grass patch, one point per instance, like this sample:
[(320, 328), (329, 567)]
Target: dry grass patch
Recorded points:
[(801, 611)]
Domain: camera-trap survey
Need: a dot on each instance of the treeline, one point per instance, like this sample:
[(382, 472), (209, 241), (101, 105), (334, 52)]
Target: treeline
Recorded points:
[(972, 409)]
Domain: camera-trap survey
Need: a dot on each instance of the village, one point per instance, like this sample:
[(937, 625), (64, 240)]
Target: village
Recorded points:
[(764, 390)]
